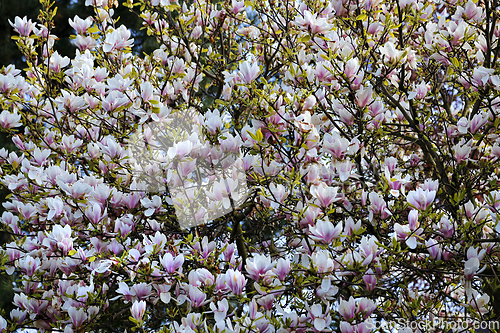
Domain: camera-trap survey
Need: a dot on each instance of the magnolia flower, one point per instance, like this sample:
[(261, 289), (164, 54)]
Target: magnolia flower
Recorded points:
[(258, 266), (80, 25), (462, 151), (389, 52), (370, 280), (220, 312), (77, 316), (471, 268), (421, 199), (320, 320), (348, 308), (282, 268), (310, 22), (326, 195), (3, 323), (10, 120), (22, 26), (170, 264), (248, 72), (138, 309), (479, 303), (325, 232), (235, 281)]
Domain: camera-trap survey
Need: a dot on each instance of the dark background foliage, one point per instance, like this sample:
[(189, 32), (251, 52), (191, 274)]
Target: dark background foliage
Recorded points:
[(9, 54)]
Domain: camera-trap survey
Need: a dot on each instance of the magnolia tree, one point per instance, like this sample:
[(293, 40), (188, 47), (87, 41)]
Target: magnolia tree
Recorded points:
[(274, 166)]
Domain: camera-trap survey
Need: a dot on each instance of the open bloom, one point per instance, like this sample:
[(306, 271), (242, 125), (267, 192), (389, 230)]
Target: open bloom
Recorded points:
[(421, 199), (248, 72), (325, 232), (310, 22)]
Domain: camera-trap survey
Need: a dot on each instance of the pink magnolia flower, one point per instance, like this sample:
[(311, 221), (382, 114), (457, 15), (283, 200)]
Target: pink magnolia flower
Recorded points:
[(22, 26), (325, 232), (434, 249), (77, 316), (446, 227), (322, 261), (351, 67), (237, 6), (462, 151), (196, 296), (348, 308), (117, 39), (389, 52), (80, 25), (370, 280), (345, 327), (344, 169), (170, 264), (10, 120), (310, 22), (479, 303), (57, 62), (413, 219), (351, 227), (282, 268), (364, 96), (3, 324), (334, 144), (309, 103), (138, 309), (235, 281), (60, 237), (378, 206), (56, 207), (258, 266), (29, 265), (248, 72), (326, 195), (421, 199), (471, 268), (95, 214)]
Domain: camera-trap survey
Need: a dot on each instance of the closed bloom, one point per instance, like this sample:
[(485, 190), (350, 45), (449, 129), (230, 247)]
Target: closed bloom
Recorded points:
[(471, 267), (282, 268), (138, 309), (462, 151), (348, 308), (235, 281), (370, 280)]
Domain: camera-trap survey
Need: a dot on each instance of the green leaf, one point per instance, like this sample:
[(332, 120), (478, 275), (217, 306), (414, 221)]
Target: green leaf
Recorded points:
[(361, 17), (304, 39)]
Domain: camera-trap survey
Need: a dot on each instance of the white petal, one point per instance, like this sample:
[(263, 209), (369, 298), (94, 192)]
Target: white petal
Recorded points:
[(319, 324)]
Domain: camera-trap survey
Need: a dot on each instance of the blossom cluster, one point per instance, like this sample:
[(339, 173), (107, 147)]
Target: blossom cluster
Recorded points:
[(366, 133)]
